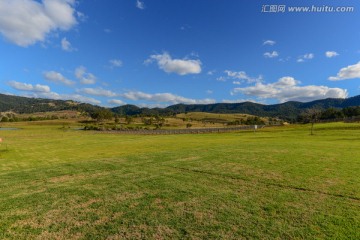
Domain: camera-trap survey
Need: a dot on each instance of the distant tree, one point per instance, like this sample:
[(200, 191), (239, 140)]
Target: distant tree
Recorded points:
[(4, 119), (332, 113), (351, 111), (189, 125), (101, 115), (312, 116), (117, 119), (129, 119)]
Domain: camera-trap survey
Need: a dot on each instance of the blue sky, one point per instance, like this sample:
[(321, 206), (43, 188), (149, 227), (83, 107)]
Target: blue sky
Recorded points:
[(159, 53)]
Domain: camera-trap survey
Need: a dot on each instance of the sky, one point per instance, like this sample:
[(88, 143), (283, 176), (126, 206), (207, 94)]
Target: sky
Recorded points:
[(156, 53)]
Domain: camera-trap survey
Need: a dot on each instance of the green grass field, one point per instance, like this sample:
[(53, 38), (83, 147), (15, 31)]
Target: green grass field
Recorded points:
[(277, 183)]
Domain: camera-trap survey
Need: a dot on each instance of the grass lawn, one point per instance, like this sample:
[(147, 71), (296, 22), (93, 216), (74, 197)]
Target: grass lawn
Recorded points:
[(277, 183)]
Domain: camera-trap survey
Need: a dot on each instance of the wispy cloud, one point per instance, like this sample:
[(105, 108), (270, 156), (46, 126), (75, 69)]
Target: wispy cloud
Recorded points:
[(163, 98), (115, 63), (242, 76), (331, 54), (240, 100), (97, 92), (117, 102), (239, 77), (140, 4), (84, 77), (269, 42), (66, 45), (307, 56), (29, 87), (57, 78), (272, 54)]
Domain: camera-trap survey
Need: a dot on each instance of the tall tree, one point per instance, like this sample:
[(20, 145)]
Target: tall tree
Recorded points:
[(312, 116)]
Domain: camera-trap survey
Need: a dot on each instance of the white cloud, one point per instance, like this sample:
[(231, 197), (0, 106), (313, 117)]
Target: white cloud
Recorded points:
[(307, 56), (57, 96), (97, 92), (242, 76), (349, 72), (57, 78), (287, 89), (239, 100), (272, 54), (66, 45), (83, 76), (25, 22), (29, 87), (75, 97), (179, 66), (116, 102), (140, 5), (209, 91), (115, 63), (211, 72), (331, 54), (269, 42), (43, 91), (163, 98)]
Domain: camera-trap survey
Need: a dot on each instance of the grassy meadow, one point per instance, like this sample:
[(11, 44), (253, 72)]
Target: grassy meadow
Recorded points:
[(277, 183)]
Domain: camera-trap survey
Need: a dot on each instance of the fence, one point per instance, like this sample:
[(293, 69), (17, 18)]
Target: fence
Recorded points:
[(345, 120), (185, 131)]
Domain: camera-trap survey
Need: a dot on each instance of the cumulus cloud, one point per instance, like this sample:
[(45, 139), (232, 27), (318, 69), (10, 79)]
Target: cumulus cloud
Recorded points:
[(288, 89), (272, 54), (115, 63), (116, 102), (179, 66), (25, 22), (29, 87), (66, 45), (97, 92), (269, 42), (57, 78), (349, 72), (84, 77), (307, 56), (140, 4), (331, 54), (163, 98)]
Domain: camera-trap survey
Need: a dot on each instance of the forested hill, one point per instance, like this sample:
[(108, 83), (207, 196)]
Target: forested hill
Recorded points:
[(288, 110), (31, 105)]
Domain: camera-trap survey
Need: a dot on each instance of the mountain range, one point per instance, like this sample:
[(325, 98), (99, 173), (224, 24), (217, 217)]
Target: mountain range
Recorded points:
[(288, 110)]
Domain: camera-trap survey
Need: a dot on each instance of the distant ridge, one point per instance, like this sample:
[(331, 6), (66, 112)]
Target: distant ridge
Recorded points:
[(287, 110), (19, 104)]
